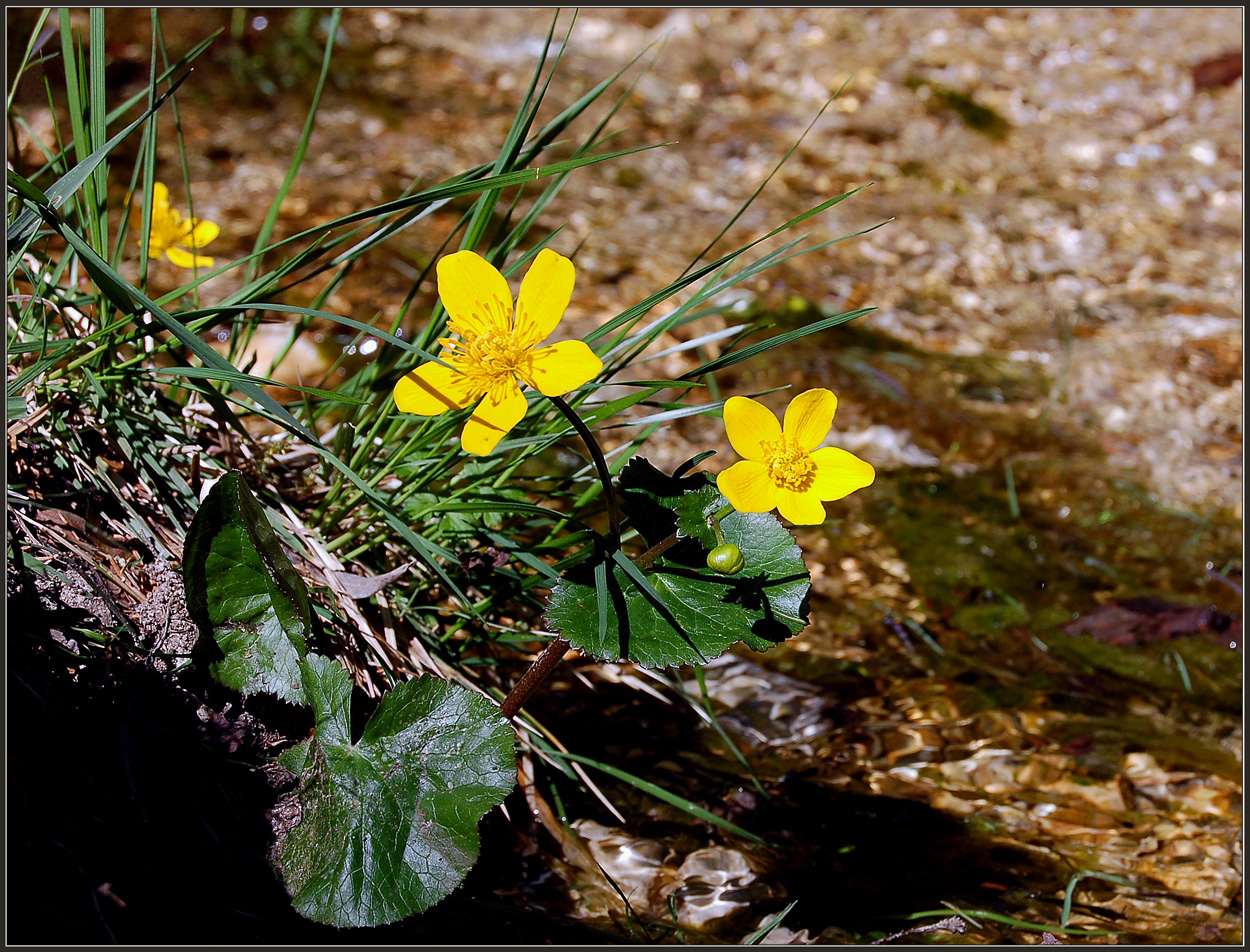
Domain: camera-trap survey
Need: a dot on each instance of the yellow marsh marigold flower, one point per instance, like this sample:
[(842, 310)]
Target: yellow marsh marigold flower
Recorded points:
[(782, 468), (496, 347), (172, 235)]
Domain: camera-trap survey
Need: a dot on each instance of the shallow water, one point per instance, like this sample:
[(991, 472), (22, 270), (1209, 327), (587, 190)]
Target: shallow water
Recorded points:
[(935, 736)]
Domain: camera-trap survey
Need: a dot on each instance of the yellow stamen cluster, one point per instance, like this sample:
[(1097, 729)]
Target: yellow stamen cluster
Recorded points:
[(489, 360), (789, 465), (491, 311)]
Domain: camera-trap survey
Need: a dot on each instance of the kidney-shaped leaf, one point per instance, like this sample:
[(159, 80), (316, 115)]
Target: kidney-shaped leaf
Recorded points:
[(245, 595), (678, 611), (389, 823)]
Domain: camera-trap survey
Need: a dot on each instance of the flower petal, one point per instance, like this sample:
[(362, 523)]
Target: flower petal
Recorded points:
[(748, 487), (562, 367), (179, 229), (544, 296), (475, 294), (201, 233), (802, 509), (183, 259), (748, 424), (432, 389), (809, 417), (502, 409), (160, 200), (839, 473)]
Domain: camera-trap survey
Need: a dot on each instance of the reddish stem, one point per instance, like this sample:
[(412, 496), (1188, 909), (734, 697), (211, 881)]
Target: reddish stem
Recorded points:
[(644, 561), (542, 666)]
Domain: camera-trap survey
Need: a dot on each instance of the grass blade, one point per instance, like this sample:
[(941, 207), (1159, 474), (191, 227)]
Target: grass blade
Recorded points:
[(661, 794), (728, 360), (638, 578), (1071, 889), (762, 933), (301, 149)]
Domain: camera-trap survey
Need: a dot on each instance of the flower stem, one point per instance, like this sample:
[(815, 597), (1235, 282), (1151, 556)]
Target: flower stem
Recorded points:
[(545, 663), (601, 464), (644, 561), (714, 522), (542, 666), (719, 532)]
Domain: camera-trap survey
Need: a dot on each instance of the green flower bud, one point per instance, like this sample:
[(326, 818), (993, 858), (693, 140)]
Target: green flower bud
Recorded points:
[(726, 559)]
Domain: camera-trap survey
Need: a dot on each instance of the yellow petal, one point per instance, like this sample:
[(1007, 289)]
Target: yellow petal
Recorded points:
[(809, 417), (544, 296), (748, 424), (839, 473), (562, 367), (474, 293), (748, 487), (502, 409), (160, 199), (201, 233), (432, 389), (802, 509), (183, 259)]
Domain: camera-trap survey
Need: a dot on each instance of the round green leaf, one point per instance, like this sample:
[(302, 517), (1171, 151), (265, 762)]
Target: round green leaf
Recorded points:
[(679, 611), (389, 823)]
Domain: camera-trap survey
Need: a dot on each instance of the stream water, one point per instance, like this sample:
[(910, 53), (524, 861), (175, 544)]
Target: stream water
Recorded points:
[(1001, 687), (1025, 657)]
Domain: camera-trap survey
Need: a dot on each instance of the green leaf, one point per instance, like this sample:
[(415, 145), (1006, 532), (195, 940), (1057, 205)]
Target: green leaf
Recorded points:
[(295, 758), (389, 824), (236, 376), (677, 610), (648, 498), (245, 595)]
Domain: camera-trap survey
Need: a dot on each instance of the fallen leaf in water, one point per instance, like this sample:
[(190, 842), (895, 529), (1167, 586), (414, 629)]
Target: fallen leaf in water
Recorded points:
[(1134, 621), (1218, 71)]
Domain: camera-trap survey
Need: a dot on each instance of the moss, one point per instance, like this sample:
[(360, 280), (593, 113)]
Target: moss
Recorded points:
[(971, 113), (1206, 671)]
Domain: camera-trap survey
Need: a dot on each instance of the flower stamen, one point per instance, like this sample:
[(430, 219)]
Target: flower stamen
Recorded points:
[(789, 465), (489, 359)]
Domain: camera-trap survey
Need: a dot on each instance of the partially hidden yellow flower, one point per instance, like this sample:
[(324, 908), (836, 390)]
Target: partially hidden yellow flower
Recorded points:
[(172, 235), (497, 347), (781, 466)]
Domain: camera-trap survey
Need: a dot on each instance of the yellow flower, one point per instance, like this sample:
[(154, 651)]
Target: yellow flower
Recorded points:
[(172, 235), (497, 347), (782, 468)]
